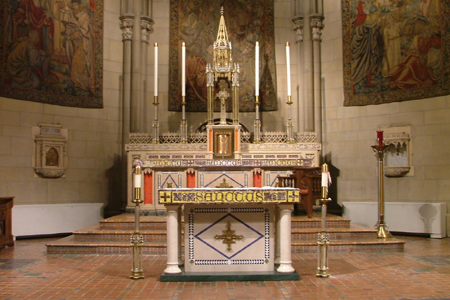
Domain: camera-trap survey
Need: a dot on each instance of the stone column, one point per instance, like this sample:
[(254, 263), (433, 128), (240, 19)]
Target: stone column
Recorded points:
[(173, 237), (308, 68), (284, 236), (300, 116), (146, 29), (126, 25), (317, 26)]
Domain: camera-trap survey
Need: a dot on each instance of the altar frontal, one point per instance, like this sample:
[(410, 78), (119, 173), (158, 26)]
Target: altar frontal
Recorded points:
[(229, 239)]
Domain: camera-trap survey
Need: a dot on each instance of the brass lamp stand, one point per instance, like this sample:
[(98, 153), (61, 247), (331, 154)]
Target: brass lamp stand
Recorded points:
[(380, 152), (323, 238), (137, 240)]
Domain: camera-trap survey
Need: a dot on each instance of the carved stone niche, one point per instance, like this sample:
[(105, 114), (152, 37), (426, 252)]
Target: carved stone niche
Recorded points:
[(50, 150), (398, 156)]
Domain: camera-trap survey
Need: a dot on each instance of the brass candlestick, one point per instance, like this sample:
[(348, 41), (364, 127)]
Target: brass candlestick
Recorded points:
[(323, 238), (155, 122), (137, 240), (381, 226), (257, 123), (289, 126), (183, 123)]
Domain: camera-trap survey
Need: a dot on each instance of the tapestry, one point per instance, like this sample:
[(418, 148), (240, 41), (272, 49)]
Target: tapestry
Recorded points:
[(51, 51), (395, 50), (196, 23)]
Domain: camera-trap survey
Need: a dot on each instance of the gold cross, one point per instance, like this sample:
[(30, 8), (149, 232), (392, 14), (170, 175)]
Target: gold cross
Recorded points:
[(228, 236)]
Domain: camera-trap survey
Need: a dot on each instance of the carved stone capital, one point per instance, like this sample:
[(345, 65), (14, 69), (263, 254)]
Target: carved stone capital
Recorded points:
[(316, 22), (146, 28), (298, 27), (126, 25)]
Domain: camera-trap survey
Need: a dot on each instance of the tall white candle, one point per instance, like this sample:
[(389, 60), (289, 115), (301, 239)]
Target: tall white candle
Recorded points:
[(288, 69), (324, 179), (183, 69), (325, 174), (137, 180), (156, 69), (257, 69)]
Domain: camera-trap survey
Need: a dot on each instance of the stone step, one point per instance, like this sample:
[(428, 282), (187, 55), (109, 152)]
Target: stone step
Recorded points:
[(68, 245), (96, 234), (112, 236), (126, 222), (347, 246), (355, 232)]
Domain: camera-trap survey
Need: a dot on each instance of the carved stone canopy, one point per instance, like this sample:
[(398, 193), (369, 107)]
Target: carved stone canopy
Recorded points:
[(50, 150)]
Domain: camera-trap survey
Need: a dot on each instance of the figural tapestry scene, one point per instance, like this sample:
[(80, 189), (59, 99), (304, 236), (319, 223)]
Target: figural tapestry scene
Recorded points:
[(51, 51), (395, 50), (247, 23)]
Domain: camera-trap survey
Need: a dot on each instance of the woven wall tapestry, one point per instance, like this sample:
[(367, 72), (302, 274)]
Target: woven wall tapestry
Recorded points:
[(196, 23), (51, 51), (395, 50)]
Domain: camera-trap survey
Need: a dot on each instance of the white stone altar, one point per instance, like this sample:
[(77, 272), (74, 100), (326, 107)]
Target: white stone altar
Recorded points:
[(229, 230)]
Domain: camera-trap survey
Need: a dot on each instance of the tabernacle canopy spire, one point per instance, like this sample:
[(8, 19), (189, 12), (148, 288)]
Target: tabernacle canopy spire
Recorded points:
[(222, 34), (223, 60)]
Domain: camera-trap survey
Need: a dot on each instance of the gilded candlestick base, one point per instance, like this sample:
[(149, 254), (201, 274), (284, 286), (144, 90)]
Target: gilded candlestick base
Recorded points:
[(137, 241), (382, 230), (323, 240)]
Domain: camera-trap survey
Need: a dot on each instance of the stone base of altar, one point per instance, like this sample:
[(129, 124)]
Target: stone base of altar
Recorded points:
[(241, 276)]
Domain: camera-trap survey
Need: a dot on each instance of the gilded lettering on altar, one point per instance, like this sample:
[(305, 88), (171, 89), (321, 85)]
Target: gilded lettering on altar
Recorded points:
[(184, 196)]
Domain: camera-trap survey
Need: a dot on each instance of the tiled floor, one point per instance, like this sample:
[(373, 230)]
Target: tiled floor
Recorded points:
[(422, 271)]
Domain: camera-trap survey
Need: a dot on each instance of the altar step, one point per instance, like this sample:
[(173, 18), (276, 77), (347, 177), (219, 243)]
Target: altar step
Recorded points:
[(112, 236)]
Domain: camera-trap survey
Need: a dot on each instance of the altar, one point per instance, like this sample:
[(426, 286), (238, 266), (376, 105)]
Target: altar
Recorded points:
[(229, 231)]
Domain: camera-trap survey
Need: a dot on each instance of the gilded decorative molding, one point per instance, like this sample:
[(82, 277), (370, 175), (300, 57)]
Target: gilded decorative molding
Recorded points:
[(126, 25)]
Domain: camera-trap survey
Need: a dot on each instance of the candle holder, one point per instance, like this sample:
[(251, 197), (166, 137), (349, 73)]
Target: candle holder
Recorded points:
[(289, 126), (379, 151), (257, 123), (183, 123), (323, 238), (137, 240), (155, 125)]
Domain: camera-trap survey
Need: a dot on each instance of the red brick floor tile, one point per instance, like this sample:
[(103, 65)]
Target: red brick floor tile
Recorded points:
[(422, 271)]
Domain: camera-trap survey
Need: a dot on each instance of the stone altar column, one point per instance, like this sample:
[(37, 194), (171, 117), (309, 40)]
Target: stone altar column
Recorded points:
[(173, 239), (284, 238)]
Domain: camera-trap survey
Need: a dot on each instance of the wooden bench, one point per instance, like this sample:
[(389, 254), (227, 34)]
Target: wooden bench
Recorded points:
[(6, 237)]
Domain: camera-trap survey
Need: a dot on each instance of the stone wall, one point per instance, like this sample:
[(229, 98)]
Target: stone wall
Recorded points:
[(350, 131)]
